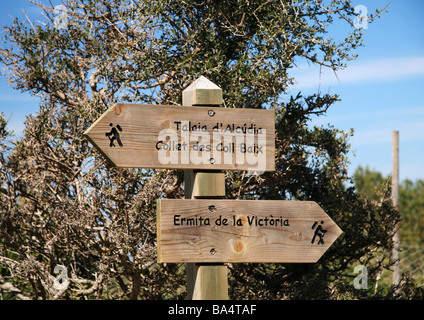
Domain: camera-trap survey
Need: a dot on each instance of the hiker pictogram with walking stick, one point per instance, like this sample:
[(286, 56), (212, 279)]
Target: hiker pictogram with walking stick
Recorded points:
[(319, 232)]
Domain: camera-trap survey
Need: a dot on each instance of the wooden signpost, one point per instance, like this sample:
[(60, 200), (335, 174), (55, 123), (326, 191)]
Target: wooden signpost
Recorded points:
[(175, 137), (204, 230), (243, 231)]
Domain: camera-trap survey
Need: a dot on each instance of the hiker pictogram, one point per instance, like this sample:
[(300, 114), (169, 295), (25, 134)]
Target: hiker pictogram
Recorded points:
[(114, 135), (319, 232)]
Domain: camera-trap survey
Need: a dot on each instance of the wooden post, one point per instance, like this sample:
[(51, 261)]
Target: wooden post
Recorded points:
[(205, 281), (395, 200)]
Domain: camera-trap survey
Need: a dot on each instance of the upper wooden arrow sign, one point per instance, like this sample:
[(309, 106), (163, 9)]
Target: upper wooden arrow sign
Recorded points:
[(175, 137), (274, 231)]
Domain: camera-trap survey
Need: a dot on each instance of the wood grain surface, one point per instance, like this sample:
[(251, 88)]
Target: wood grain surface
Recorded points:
[(176, 137), (254, 231)]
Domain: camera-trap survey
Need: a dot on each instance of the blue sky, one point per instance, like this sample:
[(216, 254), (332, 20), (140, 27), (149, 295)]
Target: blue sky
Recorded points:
[(380, 92)]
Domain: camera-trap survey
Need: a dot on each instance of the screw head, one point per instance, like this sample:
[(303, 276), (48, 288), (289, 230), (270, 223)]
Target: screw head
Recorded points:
[(212, 251), (211, 113), (212, 160)]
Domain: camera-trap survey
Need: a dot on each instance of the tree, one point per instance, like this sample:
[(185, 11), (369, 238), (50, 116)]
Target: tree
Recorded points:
[(411, 206), (370, 184), (62, 205)]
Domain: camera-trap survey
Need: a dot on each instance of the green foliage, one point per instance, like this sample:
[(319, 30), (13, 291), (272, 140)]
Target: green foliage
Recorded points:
[(411, 207), (368, 182), (372, 185)]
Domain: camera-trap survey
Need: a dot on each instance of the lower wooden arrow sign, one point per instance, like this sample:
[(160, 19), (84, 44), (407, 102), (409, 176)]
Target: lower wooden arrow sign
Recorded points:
[(274, 231)]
